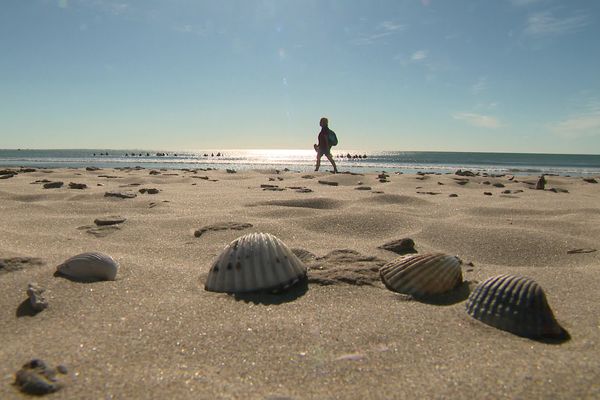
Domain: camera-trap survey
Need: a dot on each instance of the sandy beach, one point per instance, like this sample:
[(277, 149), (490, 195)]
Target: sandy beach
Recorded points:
[(155, 333)]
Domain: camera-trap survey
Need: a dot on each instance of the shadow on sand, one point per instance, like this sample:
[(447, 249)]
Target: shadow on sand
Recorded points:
[(267, 298)]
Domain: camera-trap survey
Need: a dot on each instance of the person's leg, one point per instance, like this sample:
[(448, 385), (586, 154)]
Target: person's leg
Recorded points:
[(319, 155), (330, 158)]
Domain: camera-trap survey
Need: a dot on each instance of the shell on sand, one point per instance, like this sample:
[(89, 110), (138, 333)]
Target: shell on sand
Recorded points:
[(422, 275), (515, 304), (90, 267), (255, 262)]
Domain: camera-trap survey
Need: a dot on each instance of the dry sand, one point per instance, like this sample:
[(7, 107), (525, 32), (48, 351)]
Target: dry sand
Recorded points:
[(155, 333)]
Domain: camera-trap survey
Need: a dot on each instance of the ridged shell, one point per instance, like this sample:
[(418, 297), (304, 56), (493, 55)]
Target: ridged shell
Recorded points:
[(90, 267), (255, 262), (515, 304), (422, 275)]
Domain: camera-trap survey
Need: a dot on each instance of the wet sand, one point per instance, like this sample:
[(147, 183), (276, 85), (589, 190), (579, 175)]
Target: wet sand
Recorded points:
[(155, 332)]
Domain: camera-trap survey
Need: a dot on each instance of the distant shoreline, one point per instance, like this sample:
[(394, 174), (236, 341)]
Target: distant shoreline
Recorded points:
[(303, 160)]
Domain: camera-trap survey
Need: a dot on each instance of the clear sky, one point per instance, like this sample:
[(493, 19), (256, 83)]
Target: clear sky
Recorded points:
[(456, 75)]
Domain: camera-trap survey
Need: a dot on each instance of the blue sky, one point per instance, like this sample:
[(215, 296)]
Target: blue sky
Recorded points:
[(448, 75)]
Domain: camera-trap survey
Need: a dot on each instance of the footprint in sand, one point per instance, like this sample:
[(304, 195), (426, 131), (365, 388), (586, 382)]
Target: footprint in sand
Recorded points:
[(18, 263)]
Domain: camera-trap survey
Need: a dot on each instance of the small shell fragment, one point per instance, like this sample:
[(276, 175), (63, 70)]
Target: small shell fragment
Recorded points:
[(422, 275), (515, 304), (255, 262), (89, 267)]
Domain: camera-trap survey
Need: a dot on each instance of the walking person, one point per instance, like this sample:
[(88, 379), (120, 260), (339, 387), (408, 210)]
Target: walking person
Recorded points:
[(324, 147)]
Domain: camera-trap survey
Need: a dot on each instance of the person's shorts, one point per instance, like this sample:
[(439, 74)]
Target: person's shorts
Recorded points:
[(325, 151)]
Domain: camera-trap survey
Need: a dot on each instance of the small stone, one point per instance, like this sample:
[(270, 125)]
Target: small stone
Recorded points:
[(541, 183), (400, 246), (77, 185), (110, 220), (122, 195), (498, 185), (452, 195), (37, 300), (149, 191), (53, 185), (35, 377), (487, 193)]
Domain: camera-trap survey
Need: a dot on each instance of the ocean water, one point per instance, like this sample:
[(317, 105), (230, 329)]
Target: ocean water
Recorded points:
[(304, 160)]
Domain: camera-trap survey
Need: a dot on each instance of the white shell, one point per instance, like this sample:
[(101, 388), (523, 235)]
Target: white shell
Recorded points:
[(255, 262), (90, 267), (422, 275)]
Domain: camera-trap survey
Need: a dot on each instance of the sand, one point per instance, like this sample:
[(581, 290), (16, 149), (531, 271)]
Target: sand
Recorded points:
[(155, 333)]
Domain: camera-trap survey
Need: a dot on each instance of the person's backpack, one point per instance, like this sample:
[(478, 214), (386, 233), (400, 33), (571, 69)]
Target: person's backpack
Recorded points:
[(332, 138)]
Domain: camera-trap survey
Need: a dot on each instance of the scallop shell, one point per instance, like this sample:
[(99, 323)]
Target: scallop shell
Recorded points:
[(422, 275), (255, 262), (90, 267), (515, 304)]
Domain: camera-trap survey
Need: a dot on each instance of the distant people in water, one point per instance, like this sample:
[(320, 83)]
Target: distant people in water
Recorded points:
[(323, 148)]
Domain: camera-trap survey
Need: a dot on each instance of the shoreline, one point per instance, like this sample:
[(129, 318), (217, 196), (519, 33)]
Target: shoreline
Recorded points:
[(155, 332)]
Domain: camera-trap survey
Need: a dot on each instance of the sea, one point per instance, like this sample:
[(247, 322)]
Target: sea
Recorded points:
[(304, 160)]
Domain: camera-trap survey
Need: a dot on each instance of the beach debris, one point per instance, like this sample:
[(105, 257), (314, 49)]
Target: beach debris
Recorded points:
[(308, 177), (351, 357), (13, 264), (109, 220), (590, 180), (558, 190), (330, 183), (273, 188), (36, 378), (92, 266), (487, 193), (73, 185), (460, 172), (300, 189), (153, 172), (430, 193), (53, 185), (36, 182), (37, 300), (422, 275), (498, 185), (515, 304), (508, 191), (255, 262), (452, 195), (100, 231), (108, 176), (149, 191), (581, 251), (400, 246), (461, 181), (236, 226), (541, 183), (8, 172), (345, 266), (121, 195), (92, 169), (362, 188), (231, 171), (7, 176)]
